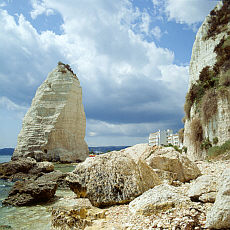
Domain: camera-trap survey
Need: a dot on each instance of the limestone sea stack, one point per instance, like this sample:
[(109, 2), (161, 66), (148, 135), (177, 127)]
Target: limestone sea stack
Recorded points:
[(207, 106), (53, 129)]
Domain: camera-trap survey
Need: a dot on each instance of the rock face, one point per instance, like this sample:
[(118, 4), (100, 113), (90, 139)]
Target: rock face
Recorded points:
[(219, 215), (54, 127), (112, 178), (31, 192), (75, 214), (24, 168), (169, 160), (158, 199), (210, 56), (204, 189)]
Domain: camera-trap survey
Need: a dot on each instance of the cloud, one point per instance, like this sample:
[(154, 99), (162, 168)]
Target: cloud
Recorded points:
[(189, 12), (128, 82), (156, 31)]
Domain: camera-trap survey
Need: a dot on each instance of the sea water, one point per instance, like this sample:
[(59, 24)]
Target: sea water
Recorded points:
[(5, 158), (36, 217)]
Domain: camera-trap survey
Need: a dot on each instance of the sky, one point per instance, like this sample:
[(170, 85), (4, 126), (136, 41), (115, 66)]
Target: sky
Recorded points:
[(131, 57)]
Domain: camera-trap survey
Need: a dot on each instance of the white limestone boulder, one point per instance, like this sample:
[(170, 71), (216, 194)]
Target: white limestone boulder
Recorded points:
[(112, 178), (54, 127), (218, 217), (158, 199), (204, 189), (168, 159)]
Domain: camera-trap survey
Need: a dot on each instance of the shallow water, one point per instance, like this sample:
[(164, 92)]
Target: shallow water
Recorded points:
[(30, 218), (5, 158)]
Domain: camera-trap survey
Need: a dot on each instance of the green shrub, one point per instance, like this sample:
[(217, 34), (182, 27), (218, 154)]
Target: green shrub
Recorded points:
[(206, 144), (209, 105), (218, 150), (215, 140), (218, 20), (185, 149)]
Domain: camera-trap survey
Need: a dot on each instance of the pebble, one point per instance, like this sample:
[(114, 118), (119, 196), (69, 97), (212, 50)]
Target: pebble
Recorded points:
[(190, 216)]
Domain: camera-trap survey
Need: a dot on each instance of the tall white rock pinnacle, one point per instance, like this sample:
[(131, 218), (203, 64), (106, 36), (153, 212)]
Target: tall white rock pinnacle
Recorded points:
[(54, 127)]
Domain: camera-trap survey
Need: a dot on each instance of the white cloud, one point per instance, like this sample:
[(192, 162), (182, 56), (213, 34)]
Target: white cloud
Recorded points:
[(39, 8), (125, 79), (188, 11), (6, 102), (156, 31)]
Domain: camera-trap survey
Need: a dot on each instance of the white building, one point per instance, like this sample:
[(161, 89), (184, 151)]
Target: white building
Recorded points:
[(164, 137)]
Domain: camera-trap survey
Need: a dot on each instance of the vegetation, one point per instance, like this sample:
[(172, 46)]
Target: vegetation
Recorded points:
[(219, 150), (175, 147), (185, 149), (206, 144), (66, 67), (196, 134), (209, 105), (219, 19), (204, 92), (215, 140), (181, 135)]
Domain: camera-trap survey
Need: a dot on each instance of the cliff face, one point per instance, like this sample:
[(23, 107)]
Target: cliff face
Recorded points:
[(54, 127), (207, 105)]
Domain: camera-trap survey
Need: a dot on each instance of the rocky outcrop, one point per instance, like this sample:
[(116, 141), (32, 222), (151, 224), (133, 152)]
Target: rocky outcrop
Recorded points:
[(31, 192), (75, 214), (207, 104), (204, 189), (54, 126), (158, 199), (219, 215), (171, 161), (24, 168), (112, 178)]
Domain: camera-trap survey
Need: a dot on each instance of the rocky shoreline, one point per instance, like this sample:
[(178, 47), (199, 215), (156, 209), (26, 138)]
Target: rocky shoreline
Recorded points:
[(172, 203)]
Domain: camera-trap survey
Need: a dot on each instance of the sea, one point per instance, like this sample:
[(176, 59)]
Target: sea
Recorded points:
[(36, 217)]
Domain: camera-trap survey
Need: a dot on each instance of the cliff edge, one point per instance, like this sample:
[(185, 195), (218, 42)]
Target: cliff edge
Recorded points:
[(207, 106)]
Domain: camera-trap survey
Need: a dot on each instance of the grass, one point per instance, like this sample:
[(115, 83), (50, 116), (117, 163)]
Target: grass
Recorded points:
[(219, 150), (196, 134), (209, 105)]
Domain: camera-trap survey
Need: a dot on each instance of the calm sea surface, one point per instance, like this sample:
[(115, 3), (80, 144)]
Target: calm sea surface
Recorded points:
[(27, 218), (4, 158)]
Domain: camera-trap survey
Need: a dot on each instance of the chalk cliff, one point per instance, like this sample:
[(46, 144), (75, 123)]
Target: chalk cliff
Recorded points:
[(207, 105), (54, 127)]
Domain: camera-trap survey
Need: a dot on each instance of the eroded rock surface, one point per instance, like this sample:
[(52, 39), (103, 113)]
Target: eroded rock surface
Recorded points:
[(75, 214), (169, 160), (204, 189), (54, 126), (112, 178), (158, 199), (26, 193), (218, 216)]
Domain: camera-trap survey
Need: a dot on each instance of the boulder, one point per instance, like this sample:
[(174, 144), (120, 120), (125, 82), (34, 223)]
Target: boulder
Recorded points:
[(74, 214), (158, 199), (26, 193), (168, 159), (24, 168), (22, 165), (204, 189), (168, 163), (44, 167), (218, 216), (54, 127), (112, 178)]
